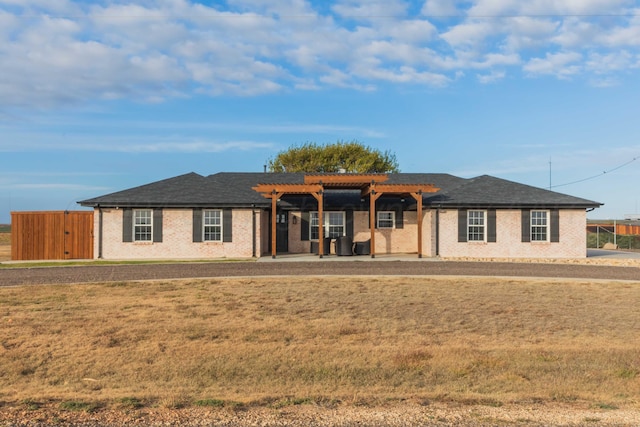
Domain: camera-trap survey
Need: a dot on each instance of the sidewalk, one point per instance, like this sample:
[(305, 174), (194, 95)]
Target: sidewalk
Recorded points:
[(333, 257), (602, 253)]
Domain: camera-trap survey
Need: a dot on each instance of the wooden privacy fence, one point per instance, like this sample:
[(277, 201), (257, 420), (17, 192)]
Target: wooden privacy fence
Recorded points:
[(51, 235), (621, 229)]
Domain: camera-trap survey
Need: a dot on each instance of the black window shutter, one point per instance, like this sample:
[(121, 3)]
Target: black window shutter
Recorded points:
[(227, 225), (491, 225), (157, 225), (555, 225), (526, 225), (400, 216), (197, 225), (349, 217), (304, 226), (127, 225), (462, 225)]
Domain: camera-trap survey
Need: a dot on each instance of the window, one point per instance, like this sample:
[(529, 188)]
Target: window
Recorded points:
[(143, 225), (476, 226), (313, 226), (212, 226), (386, 219), (334, 225), (539, 226)]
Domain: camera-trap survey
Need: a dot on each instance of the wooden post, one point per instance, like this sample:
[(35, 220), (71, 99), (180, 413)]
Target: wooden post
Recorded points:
[(320, 225), (373, 196), (418, 197), (274, 206), (372, 222)]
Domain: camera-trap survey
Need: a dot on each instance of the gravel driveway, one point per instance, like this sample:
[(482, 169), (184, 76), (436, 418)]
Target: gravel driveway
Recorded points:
[(109, 273)]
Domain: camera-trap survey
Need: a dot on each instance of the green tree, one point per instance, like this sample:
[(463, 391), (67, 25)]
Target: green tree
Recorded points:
[(352, 157)]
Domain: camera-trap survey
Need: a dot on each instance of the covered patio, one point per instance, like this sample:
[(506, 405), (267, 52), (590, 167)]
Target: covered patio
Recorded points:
[(371, 186)]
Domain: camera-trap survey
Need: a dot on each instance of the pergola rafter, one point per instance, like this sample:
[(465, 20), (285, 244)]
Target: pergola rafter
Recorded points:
[(371, 185)]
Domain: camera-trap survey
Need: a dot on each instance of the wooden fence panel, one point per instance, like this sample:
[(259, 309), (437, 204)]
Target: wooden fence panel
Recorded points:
[(51, 235), (628, 230), (79, 235)]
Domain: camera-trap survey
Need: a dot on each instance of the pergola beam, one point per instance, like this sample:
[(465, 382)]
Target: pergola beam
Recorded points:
[(399, 188), (268, 189), (372, 185), (345, 180)]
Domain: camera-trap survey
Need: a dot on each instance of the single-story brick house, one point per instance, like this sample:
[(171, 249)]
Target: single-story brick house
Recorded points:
[(231, 215)]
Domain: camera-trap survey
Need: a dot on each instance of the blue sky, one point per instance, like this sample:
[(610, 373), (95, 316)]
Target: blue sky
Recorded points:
[(100, 96)]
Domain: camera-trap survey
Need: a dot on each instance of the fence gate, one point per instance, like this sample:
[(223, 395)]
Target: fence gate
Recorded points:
[(51, 235)]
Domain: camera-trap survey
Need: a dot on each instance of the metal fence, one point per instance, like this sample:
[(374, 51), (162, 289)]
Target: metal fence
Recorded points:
[(599, 237)]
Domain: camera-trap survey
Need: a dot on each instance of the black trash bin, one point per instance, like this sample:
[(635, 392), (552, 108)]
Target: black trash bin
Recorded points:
[(344, 246), (326, 250), (363, 248)]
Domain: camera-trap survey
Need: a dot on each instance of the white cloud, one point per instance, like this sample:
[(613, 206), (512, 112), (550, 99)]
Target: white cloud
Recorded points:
[(58, 186), (547, 7), (492, 77), (562, 65), (189, 147), (607, 63), (624, 35), (472, 33), (440, 8), (492, 60), (64, 52), (370, 9)]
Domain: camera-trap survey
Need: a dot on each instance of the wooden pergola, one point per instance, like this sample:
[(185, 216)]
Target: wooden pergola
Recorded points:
[(371, 185)]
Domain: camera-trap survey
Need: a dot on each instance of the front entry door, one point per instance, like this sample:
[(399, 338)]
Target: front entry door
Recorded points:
[(282, 232)]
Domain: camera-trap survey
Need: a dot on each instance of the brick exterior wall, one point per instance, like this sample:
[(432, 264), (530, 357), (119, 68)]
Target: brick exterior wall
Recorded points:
[(508, 243), (178, 235), (177, 239), (388, 241)]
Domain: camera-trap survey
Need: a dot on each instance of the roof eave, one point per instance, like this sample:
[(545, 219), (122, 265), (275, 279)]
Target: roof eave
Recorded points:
[(517, 205), (114, 205)]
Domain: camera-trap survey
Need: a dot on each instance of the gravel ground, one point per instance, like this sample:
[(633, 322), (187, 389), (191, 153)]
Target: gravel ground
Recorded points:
[(399, 415), (107, 273)]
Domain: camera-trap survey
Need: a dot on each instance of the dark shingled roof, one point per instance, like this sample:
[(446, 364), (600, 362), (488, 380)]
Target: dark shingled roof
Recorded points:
[(231, 189), (487, 190)]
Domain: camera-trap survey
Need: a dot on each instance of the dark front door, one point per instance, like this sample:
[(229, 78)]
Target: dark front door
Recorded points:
[(282, 232)]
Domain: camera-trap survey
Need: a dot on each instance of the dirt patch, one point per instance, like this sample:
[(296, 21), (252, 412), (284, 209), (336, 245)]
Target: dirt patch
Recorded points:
[(408, 413)]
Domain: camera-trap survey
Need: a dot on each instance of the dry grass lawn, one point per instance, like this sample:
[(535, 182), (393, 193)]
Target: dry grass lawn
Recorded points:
[(351, 340), (5, 246)]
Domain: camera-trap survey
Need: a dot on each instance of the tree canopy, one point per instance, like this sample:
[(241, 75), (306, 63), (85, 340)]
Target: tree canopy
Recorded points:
[(350, 157)]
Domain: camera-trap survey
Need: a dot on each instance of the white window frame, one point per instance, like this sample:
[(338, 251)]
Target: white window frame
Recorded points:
[(389, 222), (210, 223), (143, 225), (329, 228), (539, 225), (476, 225)]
